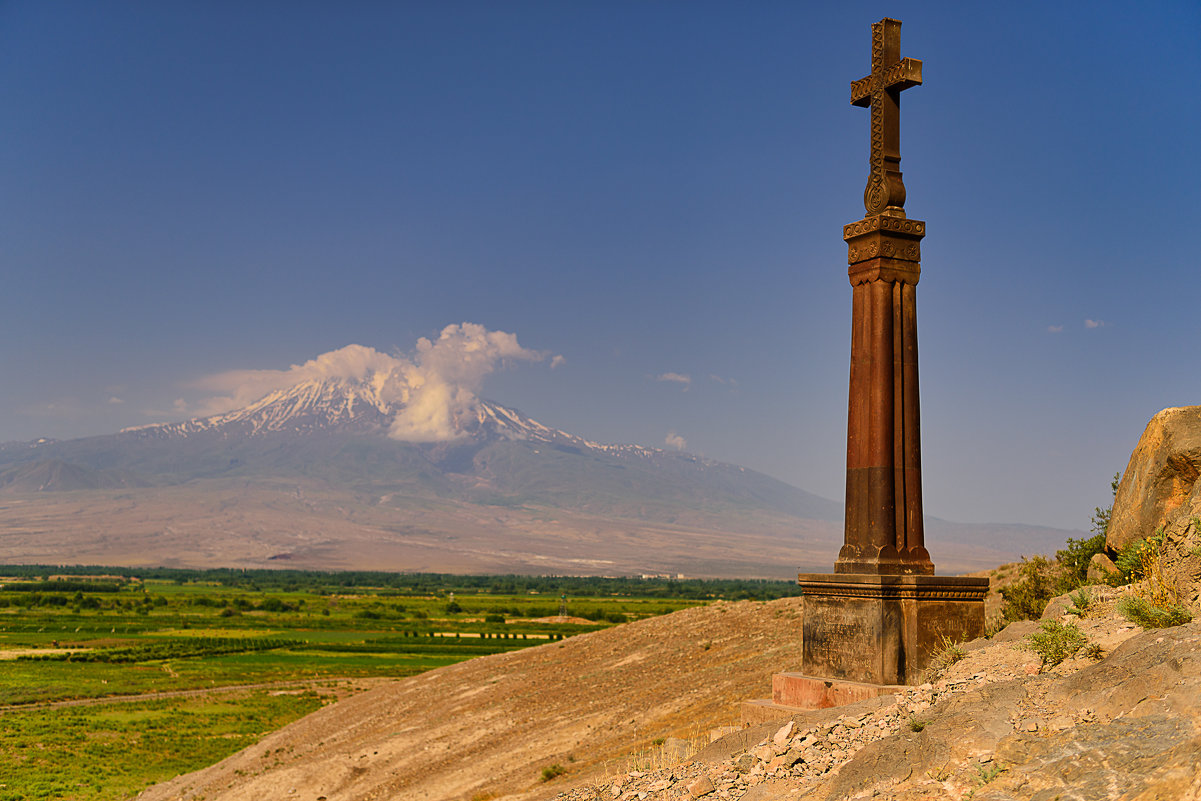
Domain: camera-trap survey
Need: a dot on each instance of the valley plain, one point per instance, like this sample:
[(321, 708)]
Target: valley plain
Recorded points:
[(110, 684)]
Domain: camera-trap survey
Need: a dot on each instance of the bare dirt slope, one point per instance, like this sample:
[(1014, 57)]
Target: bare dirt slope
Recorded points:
[(490, 725)]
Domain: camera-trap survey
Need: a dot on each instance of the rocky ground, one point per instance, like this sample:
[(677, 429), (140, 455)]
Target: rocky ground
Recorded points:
[(994, 725)]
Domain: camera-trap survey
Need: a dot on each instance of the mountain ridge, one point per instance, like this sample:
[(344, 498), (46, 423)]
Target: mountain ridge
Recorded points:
[(505, 494)]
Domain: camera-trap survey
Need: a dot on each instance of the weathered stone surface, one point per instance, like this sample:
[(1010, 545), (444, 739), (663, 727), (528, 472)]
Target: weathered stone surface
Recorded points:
[(882, 629), (1015, 631), (1160, 477), (1099, 567), (1182, 553)]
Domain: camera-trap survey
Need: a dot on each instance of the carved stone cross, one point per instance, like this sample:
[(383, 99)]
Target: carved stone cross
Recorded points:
[(881, 90)]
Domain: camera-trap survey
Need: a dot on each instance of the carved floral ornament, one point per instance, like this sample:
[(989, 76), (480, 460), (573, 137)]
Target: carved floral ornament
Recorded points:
[(909, 251), (883, 223)]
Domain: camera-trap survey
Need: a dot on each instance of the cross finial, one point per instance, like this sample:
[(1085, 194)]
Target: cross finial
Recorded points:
[(881, 90)]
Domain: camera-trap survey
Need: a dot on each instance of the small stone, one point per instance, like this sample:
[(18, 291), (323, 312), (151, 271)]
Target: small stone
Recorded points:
[(745, 762), (1061, 722), (781, 736), (764, 753)]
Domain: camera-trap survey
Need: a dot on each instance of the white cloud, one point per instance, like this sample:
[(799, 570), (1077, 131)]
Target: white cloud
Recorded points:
[(674, 440), (114, 400), (435, 388), (1093, 323), (558, 360), (1054, 329), (442, 384), (676, 378)]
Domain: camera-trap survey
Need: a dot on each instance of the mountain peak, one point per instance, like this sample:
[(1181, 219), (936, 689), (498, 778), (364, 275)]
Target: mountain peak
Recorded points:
[(357, 406)]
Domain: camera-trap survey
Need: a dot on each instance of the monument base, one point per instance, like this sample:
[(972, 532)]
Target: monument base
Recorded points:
[(794, 693), (882, 630)]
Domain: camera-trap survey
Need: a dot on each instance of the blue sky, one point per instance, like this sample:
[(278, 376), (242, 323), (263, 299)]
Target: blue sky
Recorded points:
[(645, 188)]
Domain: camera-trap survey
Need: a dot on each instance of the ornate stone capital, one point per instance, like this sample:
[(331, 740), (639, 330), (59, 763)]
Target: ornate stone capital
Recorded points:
[(884, 247)]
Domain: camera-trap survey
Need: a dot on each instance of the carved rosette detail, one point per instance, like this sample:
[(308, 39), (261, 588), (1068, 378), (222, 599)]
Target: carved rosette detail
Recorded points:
[(883, 237), (880, 223)]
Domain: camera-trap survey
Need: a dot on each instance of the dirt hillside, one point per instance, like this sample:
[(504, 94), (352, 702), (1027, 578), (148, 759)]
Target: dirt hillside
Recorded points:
[(1120, 721), (488, 727)]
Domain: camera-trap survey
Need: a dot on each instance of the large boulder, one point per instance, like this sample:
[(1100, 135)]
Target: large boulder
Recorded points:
[(1160, 483)]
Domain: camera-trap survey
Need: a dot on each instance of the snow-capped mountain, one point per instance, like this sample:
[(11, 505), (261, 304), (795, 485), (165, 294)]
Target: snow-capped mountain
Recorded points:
[(346, 406), (330, 404)]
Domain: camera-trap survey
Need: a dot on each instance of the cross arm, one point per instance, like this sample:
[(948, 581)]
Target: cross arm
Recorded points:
[(905, 73)]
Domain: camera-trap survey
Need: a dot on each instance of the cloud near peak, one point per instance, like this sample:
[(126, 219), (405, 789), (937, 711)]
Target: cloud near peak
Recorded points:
[(435, 388)]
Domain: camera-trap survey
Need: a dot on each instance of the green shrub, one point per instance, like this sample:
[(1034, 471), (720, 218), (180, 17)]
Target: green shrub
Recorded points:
[(552, 771), (1080, 603), (1026, 598), (1152, 616), (1074, 558), (1131, 559), (1055, 641)]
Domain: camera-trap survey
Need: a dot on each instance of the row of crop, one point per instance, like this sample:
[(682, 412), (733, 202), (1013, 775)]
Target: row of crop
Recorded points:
[(416, 647), (172, 649)]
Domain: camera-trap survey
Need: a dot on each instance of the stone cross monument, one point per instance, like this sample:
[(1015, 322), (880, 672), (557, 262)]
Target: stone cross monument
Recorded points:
[(884, 474), (876, 621)]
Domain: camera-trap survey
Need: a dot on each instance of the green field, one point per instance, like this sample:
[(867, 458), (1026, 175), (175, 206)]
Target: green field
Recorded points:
[(102, 635)]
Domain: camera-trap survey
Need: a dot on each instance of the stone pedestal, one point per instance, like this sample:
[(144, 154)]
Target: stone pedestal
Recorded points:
[(883, 629)]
